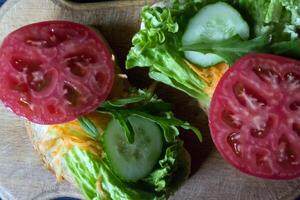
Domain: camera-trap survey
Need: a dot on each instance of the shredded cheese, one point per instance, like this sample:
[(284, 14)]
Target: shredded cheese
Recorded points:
[(210, 75), (67, 136)]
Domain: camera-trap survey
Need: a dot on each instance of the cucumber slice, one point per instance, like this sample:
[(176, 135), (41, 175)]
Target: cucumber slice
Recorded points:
[(204, 60), (214, 22), (132, 162)]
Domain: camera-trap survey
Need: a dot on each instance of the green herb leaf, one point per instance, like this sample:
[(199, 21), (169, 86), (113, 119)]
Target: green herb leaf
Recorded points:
[(288, 48), (168, 124), (187, 126), (89, 127), (232, 48), (165, 119), (155, 107), (122, 117), (139, 97)]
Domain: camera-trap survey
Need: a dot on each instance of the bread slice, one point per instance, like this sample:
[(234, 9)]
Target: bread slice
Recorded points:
[(38, 134)]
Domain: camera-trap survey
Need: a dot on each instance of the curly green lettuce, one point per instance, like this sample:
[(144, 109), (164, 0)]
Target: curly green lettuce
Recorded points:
[(274, 26)]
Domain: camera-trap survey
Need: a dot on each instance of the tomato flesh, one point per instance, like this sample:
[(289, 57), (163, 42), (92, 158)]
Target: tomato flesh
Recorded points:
[(52, 72), (254, 116)]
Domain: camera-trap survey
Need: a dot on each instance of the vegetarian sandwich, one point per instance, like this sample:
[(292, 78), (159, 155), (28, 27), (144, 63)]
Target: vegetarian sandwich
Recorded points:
[(87, 124)]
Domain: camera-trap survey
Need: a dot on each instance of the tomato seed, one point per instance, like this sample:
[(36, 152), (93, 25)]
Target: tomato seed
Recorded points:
[(71, 95), (267, 75), (248, 97), (285, 153), (260, 160), (233, 140), (262, 131), (293, 80), (229, 119), (78, 63), (25, 65)]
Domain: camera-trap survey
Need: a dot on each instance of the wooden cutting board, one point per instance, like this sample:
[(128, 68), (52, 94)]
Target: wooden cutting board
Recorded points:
[(22, 175)]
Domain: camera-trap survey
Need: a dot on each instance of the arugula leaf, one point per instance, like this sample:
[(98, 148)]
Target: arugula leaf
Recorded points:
[(231, 49), (122, 117), (187, 126), (155, 107), (89, 127), (165, 119), (143, 100), (139, 96), (288, 48), (169, 125)]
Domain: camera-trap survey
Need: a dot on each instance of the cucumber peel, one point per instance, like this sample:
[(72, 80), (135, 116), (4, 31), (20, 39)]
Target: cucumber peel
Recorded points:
[(213, 23)]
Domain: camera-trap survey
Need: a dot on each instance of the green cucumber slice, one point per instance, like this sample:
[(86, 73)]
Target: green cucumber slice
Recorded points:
[(204, 60), (214, 22), (135, 161)]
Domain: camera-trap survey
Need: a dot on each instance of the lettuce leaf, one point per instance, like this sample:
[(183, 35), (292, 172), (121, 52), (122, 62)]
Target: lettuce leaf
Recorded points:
[(156, 46), (173, 169), (280, 17), (87, 170), (93, 174), (97, 182)]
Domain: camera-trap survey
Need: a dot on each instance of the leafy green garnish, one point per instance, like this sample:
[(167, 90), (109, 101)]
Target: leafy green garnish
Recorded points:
[(89, 127), (288, 48), (122, 117), (232, 48), (165, 120), (138, 97)]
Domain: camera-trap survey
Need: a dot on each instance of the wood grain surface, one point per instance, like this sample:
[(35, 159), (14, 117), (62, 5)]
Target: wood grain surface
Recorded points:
[(22, 175)]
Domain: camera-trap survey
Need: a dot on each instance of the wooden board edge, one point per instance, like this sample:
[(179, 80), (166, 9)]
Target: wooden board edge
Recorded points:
[(101, 5)]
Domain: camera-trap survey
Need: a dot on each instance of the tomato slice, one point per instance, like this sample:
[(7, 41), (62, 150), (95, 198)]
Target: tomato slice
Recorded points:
[(52, 72), (254, 116)]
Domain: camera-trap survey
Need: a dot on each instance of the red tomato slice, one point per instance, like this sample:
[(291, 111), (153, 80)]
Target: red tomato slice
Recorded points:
[(52, 72), (254, 116)]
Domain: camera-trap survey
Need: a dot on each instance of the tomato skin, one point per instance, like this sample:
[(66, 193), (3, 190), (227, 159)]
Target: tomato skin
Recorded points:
[(273, 151), (50, 71)]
